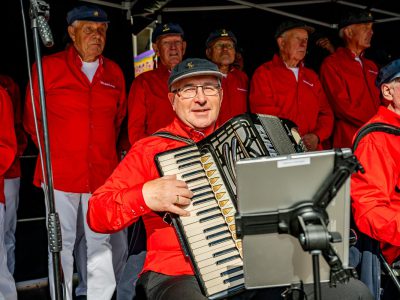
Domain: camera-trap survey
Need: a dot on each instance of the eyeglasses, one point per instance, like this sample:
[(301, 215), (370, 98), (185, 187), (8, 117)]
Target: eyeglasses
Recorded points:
[(220, 46), (189, 92), (169, 44)]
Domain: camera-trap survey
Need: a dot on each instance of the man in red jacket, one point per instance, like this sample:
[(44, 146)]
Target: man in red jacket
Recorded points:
[(221, 50), (148, 109), (284, 87), (85, 99), (8, 149), (12, 176), (348, 78), (135, 190), (376, 193)]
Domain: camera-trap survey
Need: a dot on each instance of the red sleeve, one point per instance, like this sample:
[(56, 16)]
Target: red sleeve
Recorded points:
[(119, 202), (136, 111), (19, 131), (122, 105), (8, 143), (261, 94), (336, 90), (375, 212), (325, 116), (28, 119)]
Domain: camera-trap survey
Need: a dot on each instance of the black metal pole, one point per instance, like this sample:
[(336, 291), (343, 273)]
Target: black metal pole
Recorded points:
[(317, 281), (54, 230)]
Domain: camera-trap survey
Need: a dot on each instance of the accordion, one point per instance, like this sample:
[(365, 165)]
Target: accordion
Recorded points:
[(208, 235)]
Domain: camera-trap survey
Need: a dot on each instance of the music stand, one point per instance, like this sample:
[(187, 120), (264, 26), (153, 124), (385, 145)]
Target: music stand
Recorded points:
[(281, 214)]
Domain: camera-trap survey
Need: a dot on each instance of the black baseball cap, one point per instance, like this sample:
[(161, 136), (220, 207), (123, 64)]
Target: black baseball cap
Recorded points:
[(166, 29), (87, 13), (292, 24), (355, 17), (220, 33), (388, 73), (193, 67)]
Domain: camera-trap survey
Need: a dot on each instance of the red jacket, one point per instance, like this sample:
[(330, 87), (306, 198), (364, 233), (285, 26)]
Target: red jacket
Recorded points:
[(83, 120), (234, 102), (375, 194), (148, 106), (13, 90), (119, 202), (8, 142), (275, 91), (351, 92)]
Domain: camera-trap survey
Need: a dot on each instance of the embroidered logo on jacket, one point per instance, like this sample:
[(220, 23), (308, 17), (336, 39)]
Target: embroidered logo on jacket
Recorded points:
[(107, 84), (309, 83)]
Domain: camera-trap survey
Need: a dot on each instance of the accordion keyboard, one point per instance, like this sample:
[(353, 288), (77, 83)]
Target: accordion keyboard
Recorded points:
[(210, 228)]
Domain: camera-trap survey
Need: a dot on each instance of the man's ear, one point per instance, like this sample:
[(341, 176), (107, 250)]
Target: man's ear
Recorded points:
[(184, 47), (171, 97), (386, 90), (280, 41), (348, 31), (71, 32), (155, 48), (208, 53)]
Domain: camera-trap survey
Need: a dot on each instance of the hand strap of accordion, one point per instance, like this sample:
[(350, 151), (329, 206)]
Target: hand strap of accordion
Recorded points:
[(169, 135)]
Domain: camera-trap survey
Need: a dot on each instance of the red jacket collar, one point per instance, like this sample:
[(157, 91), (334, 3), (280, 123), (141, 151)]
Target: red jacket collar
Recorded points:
[(277, 60), (74, 56), (349, 53), (191, 133)]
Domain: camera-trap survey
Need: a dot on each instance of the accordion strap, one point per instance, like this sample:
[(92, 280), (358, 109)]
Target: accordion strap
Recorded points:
[(169, 135), (373, 127)]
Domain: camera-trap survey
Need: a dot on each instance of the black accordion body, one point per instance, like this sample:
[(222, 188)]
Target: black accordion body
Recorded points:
[(208, 235)]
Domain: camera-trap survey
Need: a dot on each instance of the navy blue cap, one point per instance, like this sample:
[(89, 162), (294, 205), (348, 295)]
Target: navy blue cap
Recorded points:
[(87, 13), (292, 24), (166, 29), (193, 67), (355, 17), (220, 33), (388, 73)]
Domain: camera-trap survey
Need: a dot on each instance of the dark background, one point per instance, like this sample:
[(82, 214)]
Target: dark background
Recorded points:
[(254, 29)]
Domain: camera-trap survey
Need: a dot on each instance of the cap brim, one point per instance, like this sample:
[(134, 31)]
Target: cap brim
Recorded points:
[(397, 75), (307, 28), (166, 34), (197, 73)]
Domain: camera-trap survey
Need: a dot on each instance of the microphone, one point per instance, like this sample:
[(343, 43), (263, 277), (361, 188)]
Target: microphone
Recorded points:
[(40, 10), (45, 32)]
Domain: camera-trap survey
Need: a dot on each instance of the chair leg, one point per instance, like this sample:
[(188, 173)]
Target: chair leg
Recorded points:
[(390, 272)]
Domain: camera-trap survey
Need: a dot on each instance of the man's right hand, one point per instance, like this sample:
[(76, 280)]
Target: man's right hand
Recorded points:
[(167, 194)]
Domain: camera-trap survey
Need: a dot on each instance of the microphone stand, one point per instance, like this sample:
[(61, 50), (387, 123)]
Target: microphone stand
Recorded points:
[(38, 11)]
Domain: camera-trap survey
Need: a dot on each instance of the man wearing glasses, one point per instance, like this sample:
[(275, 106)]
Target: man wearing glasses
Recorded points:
[(148, 109), (135, 190), (221, 49)]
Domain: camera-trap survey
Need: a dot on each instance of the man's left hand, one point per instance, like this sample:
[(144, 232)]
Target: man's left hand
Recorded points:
[(311, 141)]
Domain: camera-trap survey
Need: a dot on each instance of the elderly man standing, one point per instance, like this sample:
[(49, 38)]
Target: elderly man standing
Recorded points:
[(85, 107), (221, 50), (348, 78), (285, 88), (8, 149), (148, 110)]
